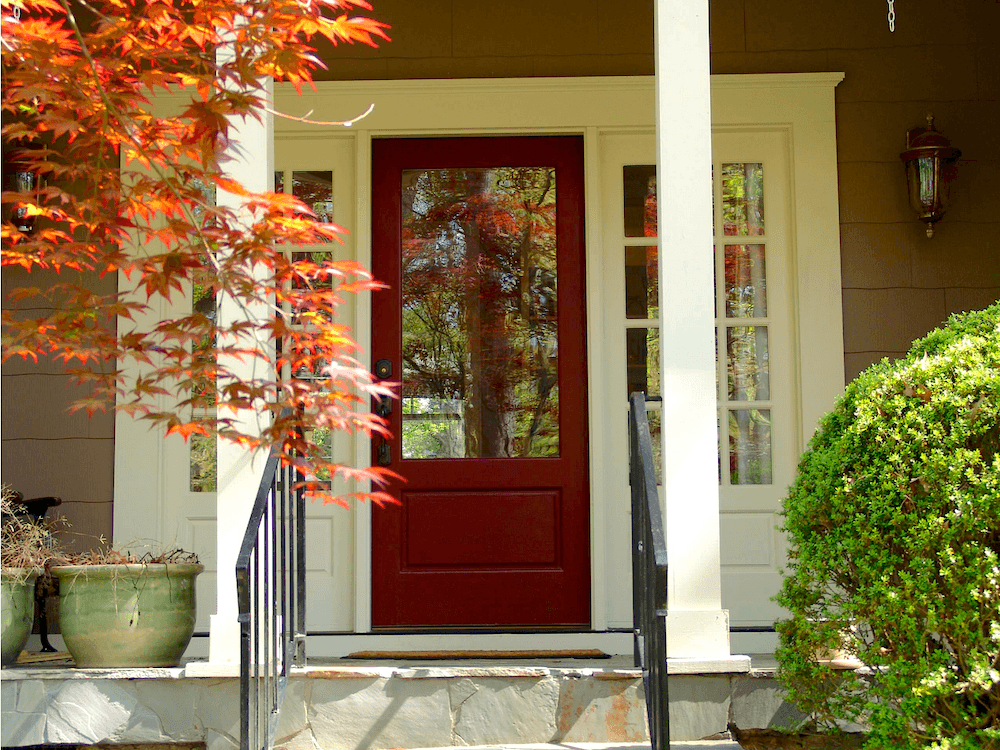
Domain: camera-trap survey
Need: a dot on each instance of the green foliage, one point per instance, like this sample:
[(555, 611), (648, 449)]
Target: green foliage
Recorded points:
[(894, 532), (222, 300)]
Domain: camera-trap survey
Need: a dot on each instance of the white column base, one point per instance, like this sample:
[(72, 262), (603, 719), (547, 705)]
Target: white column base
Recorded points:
[(224, 640), (698, 633)]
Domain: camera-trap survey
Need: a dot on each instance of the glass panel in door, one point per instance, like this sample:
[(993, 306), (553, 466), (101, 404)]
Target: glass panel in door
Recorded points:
[(480, 351)]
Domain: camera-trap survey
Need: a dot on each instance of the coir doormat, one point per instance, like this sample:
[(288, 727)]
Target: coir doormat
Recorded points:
[(45, 657), (572, 653)]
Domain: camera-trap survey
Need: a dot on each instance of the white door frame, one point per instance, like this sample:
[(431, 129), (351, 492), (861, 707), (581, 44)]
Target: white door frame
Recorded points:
[(801, 103)]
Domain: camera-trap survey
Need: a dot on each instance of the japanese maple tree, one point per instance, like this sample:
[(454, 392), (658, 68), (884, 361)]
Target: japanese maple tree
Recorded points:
[(111, 185)]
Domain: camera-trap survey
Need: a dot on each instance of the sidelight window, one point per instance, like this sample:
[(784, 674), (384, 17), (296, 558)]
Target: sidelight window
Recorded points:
[(743, 354)]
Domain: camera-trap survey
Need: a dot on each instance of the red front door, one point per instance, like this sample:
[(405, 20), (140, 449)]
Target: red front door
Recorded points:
[(481, 242)]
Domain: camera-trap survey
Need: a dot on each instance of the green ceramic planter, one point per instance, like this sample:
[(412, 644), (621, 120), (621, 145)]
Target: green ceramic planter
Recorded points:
[(18, 586), (127, 615)]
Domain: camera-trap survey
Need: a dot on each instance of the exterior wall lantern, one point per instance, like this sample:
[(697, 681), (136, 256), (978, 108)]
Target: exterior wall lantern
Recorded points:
[(23, 182), (930, 169), (18, 178)]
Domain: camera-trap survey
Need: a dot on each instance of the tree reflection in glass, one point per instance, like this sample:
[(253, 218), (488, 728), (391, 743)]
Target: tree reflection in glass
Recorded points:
[(743, 199), (480, 348)]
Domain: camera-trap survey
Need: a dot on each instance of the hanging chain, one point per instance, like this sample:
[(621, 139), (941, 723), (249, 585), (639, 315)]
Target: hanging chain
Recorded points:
[(892, 15)]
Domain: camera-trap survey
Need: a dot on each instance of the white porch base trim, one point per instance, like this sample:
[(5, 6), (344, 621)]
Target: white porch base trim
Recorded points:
[(698, 634), (224, 646), (753, 643)]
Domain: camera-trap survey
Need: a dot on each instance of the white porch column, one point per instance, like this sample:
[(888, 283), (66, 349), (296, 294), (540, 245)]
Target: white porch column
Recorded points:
[(696, 625), (239, 472)]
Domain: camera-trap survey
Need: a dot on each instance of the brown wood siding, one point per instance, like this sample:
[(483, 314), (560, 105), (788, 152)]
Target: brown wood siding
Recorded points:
[(941, 59), (46, 450)]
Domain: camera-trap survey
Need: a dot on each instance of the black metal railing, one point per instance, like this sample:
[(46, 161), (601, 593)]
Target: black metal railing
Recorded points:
[(649, 574), (270, 585)]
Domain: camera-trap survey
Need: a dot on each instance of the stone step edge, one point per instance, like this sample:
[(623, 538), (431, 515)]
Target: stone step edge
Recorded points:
[(676, 666), (678, 744)]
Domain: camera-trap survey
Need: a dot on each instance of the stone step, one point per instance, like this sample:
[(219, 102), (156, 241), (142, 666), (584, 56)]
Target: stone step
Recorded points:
[(377, 707), (678, 745)]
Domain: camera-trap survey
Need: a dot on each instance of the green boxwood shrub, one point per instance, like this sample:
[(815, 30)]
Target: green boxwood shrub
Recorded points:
[(893, 526)]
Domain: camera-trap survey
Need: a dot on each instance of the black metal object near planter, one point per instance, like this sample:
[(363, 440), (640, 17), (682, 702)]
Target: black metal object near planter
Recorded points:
[(28, 543)]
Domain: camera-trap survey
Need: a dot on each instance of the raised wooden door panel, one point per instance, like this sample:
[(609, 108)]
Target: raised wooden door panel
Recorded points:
[(481, 243)]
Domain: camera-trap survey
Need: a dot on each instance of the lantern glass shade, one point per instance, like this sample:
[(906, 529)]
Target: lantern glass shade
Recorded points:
[(23, 182), (929, 180), (930, 170)]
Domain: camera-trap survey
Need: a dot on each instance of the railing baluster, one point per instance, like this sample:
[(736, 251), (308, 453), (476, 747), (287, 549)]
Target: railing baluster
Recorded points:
[(649, 575), (270, 581), (255, 634), (281, 487), (270, 626), (299, 633)]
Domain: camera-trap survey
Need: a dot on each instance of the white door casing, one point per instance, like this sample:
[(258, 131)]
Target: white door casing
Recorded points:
[(796, 109), (153, 477), (751, 548)]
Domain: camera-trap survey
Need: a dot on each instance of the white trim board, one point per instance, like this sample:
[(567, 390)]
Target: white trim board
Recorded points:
[(800, 104), (500, 105)]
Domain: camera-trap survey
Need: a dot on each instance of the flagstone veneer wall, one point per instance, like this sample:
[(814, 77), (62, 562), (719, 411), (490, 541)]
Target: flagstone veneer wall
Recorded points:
[(373, 708)]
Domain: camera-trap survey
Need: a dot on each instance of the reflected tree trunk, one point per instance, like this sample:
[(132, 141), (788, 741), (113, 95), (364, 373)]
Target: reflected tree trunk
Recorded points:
[(479, 290)]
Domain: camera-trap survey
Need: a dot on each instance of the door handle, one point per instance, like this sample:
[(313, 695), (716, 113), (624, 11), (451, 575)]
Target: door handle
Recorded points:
[(384, 453), (383, 404), (383, 408)]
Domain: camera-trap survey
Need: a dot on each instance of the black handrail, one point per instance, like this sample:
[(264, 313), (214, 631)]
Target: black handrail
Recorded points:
[(649, 575), (270, 587)]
